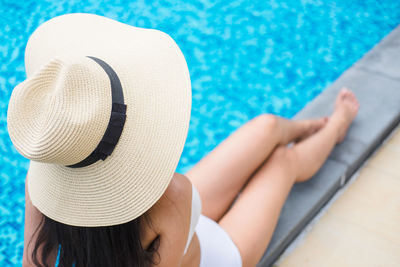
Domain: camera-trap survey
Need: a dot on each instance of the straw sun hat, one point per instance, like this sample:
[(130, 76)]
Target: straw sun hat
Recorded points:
[(103, 116)]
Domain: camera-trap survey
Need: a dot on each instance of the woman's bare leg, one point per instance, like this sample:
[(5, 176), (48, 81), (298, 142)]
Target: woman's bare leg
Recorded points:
[(222, 173), (311, 157), (252, 219)]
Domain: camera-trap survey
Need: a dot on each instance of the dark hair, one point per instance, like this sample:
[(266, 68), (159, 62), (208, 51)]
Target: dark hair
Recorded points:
[(116, 245)]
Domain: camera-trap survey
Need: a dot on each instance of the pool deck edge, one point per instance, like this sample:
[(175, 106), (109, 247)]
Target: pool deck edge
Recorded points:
[(375, 80)]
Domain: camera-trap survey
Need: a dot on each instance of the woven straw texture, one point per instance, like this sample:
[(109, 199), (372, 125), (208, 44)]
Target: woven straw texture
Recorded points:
[(59, 114)]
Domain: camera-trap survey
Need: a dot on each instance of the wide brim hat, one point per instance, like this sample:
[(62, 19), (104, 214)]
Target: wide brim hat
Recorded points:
[(60, 113)]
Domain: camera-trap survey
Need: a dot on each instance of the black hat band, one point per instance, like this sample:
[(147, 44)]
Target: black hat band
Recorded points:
[(116, 123)]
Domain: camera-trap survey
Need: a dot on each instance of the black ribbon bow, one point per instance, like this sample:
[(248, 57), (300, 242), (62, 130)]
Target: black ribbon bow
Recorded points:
[(116, 123)]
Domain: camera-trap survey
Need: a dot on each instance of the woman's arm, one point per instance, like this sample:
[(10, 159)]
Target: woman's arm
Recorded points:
[(192, 256), (177, 258), (170, 218), (172, 228), (170, 251), (32, 220)]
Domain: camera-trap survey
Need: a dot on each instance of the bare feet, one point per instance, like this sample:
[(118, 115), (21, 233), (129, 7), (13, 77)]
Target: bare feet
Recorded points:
[(346, 108), (310, 127)]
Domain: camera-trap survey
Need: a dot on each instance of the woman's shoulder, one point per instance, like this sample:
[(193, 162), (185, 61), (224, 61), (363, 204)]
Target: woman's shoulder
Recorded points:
[(170, 219), (174, 206)]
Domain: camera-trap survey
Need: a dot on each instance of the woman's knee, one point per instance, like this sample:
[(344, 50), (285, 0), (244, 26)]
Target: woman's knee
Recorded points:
[(269, 121), (268, 124)]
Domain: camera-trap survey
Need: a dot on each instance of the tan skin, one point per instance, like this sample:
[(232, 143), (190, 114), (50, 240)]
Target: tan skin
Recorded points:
[(254, 161)]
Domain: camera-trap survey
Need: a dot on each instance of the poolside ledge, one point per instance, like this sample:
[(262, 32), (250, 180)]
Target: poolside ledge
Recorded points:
[(375, 80)]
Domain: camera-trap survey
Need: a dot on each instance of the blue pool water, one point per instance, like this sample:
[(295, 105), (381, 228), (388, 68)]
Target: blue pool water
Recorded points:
[(245, 58)]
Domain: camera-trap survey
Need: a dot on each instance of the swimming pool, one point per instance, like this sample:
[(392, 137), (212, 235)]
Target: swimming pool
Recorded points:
[(245, 58)]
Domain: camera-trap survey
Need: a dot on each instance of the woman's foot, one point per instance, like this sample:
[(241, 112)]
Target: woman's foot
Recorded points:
[(346, 108)]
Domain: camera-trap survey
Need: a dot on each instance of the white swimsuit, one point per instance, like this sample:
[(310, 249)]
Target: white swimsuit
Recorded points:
[(216, 246)]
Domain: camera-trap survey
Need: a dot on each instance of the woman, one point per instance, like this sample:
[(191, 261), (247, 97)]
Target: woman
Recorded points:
[(102, 187)]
